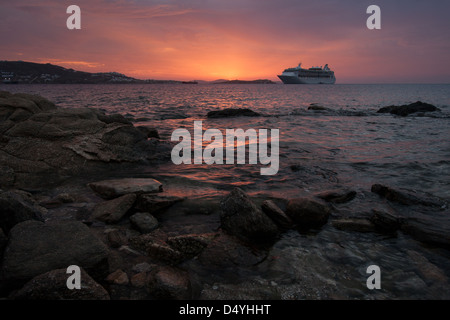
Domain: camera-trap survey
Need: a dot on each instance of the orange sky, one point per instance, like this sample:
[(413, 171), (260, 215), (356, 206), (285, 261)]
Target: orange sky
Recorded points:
[(245, 39)]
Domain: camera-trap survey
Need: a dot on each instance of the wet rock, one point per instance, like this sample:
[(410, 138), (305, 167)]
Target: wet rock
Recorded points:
[(16, 207), (190, 245), (231, 112), (35, 248), (248, 290), (433, 230), (149, 132), (7, 176), (226, 251), (277, 215), (172, 284), (140, 280), (316, 107), (57, 201), (308, 213), (113, 210), (144, 222), (429, 271), (115, 117), (117, 277), (155, 203), (239, 216), (405, 110), (52, 286), (405, 198), (109, 189), (351, 224), (337, 196), (143, 267), (385, 222)]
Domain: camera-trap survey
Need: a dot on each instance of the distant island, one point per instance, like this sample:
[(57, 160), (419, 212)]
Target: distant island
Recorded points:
[(45, 73)]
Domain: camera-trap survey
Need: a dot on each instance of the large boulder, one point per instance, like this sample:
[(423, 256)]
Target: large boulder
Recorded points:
[(239, 216), (408, 109), (16, 207), (35, 248), (52, 286), (308, 213), (43, 144)]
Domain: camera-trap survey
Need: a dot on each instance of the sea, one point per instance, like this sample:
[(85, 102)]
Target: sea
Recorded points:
[(343, 144)]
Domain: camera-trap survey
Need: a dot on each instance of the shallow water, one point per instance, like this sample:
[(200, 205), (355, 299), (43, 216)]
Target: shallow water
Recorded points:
[(347, 145)]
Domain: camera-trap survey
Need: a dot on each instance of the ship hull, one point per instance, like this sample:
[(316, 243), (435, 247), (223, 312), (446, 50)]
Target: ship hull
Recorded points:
[(298, 80)]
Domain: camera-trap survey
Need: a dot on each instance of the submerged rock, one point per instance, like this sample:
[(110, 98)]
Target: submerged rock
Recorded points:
[(353, 224), (385, 222), (308, 213), (52, 286), (405, 198), (109, 189), (405, 110), (239, 216), (337, 196), (16, 207), (432, 230), (35, 247), (232, 112)]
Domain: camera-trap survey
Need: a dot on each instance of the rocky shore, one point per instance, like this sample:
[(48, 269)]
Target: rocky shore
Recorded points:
[(60, 205)]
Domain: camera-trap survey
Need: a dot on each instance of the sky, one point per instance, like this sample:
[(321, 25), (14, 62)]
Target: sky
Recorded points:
[(234, 39)]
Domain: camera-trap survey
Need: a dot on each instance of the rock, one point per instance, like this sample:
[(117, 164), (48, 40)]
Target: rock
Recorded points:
[(247, 290), (308, 213), (16, 207), (143, 267), (232, 112), (52, 286), (157, 249), (226, 251), (277, 215), (116, 238), (109, 189), (155, 203), (42, 144), (385, 222), (171, 284), (117, 277), (351, 224), (239, 216), (140, 280), (113, 210), (144, 222), (149, 132), (428, 270), (405, 198), (35, 248), (334, 196), (316, 107), (7, 176), (405, 110), (190, 245), (434, 230)]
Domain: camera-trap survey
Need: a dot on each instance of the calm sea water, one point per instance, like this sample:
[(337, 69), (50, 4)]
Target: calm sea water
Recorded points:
[(347, 145)]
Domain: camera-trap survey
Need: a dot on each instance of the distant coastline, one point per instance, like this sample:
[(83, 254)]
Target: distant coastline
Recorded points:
[(22, 72)]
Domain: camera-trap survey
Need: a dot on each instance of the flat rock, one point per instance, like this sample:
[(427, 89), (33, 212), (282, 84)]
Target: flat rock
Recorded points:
[(144, 222), (155, 203), (277, 215), (109, 189), (232, 112), (408, 109), (112, 211), (432, 230), (407, 197), (239, 216), (16, 207), (352, 224), (52, 286), (386, 222), (35, 247), (308, 213)]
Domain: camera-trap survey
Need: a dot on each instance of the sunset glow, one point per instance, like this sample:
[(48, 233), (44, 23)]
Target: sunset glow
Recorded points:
[(250, 39)]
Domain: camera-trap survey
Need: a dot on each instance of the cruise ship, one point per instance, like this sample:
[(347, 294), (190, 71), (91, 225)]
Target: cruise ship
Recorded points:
[(314, 75)]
